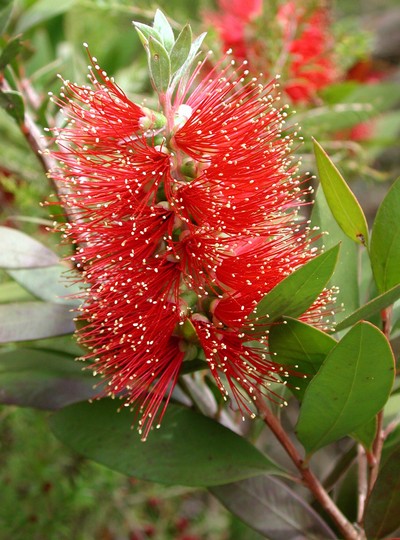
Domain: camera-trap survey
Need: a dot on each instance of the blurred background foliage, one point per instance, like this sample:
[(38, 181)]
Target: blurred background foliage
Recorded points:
[(47, 491)]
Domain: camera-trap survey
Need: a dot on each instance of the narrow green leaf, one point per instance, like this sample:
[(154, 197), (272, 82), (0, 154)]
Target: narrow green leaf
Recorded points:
[(10, 51), (6, 8), (43, 379), (34, 320), (183, 72), (18, 250), (295, 294), (385, 241), (345, 276), (178, 453), (160, 66), (13, 104), (273, 509), (341, 200), (162, 26), (41, 11), (181, 49), (145, 32), (371, 308), (301, 348), (382, 515), (349, 389), (52, 284), (12, 292)]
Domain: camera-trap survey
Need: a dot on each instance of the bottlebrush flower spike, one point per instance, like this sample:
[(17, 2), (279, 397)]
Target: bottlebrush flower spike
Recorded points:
[(183, 220)]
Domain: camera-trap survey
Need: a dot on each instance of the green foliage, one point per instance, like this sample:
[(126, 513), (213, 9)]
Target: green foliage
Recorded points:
[(178, 453), (349, 389), (21, 251)]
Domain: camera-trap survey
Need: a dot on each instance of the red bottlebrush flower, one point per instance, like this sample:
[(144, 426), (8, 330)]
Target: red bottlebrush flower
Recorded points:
[(301, 50), (181, 228), (231, 21), (311, 66)]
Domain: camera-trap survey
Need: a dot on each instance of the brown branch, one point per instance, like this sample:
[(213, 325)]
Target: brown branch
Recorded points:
[(348, 531)]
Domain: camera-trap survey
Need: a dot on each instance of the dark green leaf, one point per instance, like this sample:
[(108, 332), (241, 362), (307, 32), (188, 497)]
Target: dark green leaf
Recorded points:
[(18, 250), (371, 308), (162, 26), (270, 507), (385, 241), (295, 294), (352, 385), (13, 104), (382, 514), (50, 283), (189, 449), (300, 348), (365, 434), (10, 51), (160, 66), (34, 320), (181, 49), (345, 276), (43, 379), (342, 202)]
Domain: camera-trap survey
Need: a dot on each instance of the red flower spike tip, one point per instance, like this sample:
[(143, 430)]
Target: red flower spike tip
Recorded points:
[(180, 227)]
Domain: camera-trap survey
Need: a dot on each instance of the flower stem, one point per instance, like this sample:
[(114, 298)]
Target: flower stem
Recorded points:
[(348, 531)]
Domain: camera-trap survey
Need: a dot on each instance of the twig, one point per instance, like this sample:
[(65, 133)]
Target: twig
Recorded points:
[(362, 482), (348, 531)]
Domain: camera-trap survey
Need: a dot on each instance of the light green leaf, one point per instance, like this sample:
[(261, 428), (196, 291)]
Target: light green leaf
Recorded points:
[(41, 11), (43, 379), (178, 453), (6, 8), (53, 284), (180, 51), (301, 348), (162, 26), (345, 276), (183, 72), (385, 241), (352, 386), (160, 66), (342, 202), (34, 320), (145, 32), (18, 250), (371, 308), (295, 294)]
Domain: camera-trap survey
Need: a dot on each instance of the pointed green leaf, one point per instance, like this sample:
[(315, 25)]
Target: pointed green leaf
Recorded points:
[(145, 32), (296, 293), (162, 26), (345, 276), (18, 250), (43, 379), (183, 72), (178, 453), (382, 515), (24, 321), (342, 202), (301, 348), (10, 51), (53, 284), (352, 385), (273, 509), (385, 241), (180, 51), (160, 66), (13, 104), (371, 308)]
